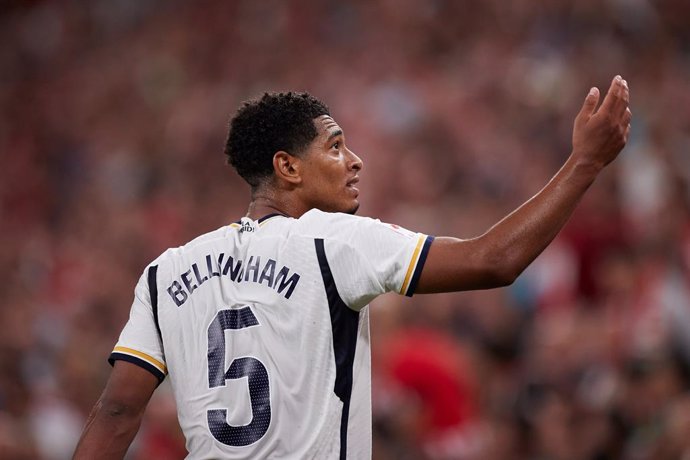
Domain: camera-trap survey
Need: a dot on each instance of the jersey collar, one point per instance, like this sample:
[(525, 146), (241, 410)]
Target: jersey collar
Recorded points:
[(262, 219)]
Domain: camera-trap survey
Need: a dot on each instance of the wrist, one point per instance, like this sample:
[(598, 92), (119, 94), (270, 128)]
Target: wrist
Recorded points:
[(586, 166)]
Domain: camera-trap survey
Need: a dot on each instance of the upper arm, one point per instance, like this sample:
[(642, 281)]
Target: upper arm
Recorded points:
[(138, 359), (128, 390), (140, 342), (115, 419), (138, 368), (453, 264)]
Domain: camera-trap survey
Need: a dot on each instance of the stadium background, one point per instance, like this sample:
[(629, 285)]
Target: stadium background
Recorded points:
[(113, 118)]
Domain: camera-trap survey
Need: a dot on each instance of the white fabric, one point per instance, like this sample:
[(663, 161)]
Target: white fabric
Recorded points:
[(293, 340)]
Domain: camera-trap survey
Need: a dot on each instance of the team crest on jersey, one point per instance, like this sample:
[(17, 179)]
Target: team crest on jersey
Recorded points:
[(400, 230)]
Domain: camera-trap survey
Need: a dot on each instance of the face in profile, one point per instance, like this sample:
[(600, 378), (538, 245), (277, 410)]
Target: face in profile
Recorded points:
[(330, 170)]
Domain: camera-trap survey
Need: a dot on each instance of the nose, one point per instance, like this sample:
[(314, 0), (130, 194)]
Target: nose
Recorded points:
[(355, 161)]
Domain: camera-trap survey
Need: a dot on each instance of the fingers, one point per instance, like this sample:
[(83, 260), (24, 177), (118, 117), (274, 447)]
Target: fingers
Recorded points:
[(627, 116), (625, 97), (617, 99), (625, 122), (588, 106)]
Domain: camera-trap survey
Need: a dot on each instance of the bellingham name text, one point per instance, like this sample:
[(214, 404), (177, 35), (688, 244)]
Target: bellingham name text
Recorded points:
[(254, 271)]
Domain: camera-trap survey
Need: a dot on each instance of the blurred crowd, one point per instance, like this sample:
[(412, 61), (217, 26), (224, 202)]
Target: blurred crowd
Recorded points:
[(113, 117)]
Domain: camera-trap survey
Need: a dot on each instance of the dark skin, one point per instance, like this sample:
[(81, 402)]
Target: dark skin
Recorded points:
[(325, 177), (115, 419)]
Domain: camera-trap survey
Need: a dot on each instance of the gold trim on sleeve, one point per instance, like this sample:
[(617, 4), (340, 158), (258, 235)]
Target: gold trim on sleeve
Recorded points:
[(413, 264), (151, 360)]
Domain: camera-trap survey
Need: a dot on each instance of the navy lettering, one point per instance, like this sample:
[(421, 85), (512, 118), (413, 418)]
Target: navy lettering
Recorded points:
[(252, 268), (187, 282), (292, 282), (234, 270), (178, 294), (198, 275), (284, 282), (268, 272), (209, 267)]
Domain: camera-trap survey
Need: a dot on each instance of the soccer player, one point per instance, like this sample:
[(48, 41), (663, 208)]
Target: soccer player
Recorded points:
[(262, 325)]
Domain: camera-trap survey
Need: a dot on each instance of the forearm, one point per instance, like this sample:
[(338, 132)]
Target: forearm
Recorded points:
[(108, 432), (515, 241), (498, 256)]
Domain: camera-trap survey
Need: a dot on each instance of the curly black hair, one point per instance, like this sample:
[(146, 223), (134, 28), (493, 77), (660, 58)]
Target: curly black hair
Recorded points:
[(262, 127)]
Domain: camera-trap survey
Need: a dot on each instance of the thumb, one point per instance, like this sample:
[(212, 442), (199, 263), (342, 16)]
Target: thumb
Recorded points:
[(588, 106)]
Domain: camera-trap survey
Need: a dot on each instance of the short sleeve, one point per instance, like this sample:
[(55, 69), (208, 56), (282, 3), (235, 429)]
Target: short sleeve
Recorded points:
[(140, 341), (368, 257)]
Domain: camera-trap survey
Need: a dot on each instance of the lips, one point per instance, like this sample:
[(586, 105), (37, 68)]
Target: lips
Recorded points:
[(353, 181), (351, 184)]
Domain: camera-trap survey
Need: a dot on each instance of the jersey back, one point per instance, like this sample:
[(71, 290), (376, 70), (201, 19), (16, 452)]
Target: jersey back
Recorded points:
[(262, 327)]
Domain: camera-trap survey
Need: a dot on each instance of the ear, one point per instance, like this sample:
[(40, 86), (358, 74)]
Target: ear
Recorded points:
[(287, 167)]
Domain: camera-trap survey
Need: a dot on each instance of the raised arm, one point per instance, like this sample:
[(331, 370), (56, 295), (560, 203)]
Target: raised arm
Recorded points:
[(115, 419), (497, 257)]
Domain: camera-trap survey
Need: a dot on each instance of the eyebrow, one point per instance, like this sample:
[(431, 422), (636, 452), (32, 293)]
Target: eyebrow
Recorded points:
[(335, 133)]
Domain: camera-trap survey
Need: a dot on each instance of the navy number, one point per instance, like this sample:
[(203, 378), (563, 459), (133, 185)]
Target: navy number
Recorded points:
[(252, 368)]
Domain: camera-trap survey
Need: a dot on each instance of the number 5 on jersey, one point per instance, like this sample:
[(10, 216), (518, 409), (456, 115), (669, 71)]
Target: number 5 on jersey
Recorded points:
[(252, 368)]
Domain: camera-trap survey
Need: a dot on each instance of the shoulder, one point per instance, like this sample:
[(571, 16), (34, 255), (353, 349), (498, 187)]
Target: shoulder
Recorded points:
[(323, 224), (171, 255), (349, 229)]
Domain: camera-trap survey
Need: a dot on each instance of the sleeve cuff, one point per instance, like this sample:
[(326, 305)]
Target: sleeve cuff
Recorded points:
[(137, 358), (416, 265)]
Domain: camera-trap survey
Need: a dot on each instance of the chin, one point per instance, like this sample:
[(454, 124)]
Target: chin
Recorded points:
[(353, 209)]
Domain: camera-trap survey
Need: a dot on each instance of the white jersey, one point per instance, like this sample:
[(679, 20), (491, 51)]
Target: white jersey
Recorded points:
[(263, 329)]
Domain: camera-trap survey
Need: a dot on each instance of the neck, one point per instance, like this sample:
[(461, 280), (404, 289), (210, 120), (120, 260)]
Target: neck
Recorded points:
[(265, 202)]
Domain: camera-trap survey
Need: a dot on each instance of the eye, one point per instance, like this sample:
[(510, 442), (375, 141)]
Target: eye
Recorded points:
[(336, 145)]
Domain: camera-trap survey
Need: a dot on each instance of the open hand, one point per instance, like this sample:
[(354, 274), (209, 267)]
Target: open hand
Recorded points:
[(600, 134)]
